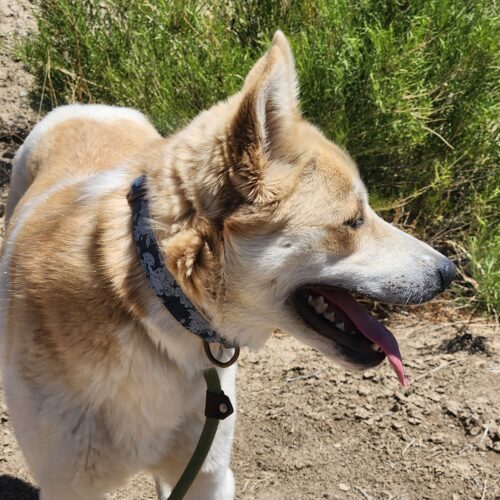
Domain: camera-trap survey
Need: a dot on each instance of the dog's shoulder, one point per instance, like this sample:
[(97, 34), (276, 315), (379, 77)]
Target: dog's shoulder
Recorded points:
[(74, 141)]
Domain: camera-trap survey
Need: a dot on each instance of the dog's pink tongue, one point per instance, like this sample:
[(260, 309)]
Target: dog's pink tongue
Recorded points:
[(370, 328)]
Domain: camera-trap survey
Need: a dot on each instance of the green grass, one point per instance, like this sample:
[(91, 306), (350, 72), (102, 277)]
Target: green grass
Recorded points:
[(409, 88), (483, 250)]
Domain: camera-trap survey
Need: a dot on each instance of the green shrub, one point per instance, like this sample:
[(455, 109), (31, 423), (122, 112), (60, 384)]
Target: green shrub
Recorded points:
[(409, 88), (483, 249)]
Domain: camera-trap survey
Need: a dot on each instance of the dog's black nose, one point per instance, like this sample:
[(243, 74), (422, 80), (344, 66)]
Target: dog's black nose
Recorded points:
[(447, 272)]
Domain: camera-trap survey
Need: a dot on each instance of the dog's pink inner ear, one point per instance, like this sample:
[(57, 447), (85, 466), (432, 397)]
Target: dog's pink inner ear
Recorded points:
[(268, 107)]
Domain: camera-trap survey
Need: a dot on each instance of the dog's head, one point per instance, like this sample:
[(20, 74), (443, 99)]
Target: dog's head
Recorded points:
[(298, 233)]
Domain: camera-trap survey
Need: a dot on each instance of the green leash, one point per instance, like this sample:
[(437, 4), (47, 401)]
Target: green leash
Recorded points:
[(217, 407)]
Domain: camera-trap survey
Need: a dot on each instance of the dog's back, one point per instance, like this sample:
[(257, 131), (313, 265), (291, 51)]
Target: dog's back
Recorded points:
[(72, 142)]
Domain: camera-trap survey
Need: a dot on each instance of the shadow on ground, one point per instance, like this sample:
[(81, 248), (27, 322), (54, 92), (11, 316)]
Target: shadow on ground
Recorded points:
[(12, 488)]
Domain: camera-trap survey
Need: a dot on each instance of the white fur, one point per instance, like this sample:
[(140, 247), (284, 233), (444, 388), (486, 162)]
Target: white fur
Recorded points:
[(153, 406), (103, 183), (153, 391)]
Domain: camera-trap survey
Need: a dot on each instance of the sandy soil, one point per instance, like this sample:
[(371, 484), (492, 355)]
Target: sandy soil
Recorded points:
[(307, 429)]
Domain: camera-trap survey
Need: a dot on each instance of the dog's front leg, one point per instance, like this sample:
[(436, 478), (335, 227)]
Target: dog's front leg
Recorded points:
[(218, 485), (215, 481), (162, 489)]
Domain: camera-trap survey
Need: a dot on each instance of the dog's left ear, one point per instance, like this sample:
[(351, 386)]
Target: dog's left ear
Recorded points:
[(268, 108)]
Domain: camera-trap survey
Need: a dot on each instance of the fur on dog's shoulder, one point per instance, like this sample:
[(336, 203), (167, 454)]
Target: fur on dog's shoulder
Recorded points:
[(75, 140)]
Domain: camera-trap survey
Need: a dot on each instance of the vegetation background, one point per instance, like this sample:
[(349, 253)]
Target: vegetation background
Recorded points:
[(409, 88)]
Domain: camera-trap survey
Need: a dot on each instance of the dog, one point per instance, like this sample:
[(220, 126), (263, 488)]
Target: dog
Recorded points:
[(262, 222)]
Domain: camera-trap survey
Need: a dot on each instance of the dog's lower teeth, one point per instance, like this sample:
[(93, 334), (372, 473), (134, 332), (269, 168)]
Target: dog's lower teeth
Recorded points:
[(375, 347), (330, 316), (340, 326)]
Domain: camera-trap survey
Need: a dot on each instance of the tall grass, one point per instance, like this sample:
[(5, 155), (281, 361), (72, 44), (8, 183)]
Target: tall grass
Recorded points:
[(410, 88)]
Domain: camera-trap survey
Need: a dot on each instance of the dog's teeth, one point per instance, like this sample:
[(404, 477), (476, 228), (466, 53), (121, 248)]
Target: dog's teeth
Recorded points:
[(376, 347), (330, 316), (310, 299), (314, 301), (319, 304), (340, 326), (322, 308)]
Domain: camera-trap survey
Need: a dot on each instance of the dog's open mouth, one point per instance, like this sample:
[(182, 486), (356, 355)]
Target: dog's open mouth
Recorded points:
[(333, 313)]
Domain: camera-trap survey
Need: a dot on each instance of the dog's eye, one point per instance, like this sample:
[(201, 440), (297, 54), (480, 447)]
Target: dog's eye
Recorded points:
[(354, 223)]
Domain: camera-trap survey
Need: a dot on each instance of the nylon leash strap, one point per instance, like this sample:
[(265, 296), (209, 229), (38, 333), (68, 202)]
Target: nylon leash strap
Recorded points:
[(217, 407)]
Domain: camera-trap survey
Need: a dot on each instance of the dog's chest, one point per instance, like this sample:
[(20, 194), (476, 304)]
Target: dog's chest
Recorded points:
[(140, 403), (153, 402)]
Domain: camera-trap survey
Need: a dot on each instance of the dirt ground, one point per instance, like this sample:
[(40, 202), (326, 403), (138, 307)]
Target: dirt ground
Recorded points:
[(307, 429)]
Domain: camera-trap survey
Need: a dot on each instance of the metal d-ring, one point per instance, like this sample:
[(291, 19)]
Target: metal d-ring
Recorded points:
[(215, 361)]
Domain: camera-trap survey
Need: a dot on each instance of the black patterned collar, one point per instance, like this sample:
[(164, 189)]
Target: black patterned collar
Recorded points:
[(157, 274)]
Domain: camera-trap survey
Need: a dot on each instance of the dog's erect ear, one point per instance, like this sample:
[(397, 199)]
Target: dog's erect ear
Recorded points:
[(277, 59), (268, 106)]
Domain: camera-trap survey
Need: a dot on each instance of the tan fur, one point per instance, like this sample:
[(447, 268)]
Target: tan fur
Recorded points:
[(248, 202)]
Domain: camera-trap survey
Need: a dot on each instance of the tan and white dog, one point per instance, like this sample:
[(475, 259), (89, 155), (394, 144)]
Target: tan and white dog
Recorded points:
[(263, 222)]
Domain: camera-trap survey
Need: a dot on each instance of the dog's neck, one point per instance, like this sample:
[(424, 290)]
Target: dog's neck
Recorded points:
[(192, 168), (158, 276)]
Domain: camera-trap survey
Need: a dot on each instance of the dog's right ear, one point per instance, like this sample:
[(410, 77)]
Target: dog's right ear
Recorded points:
[(268, 106)]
